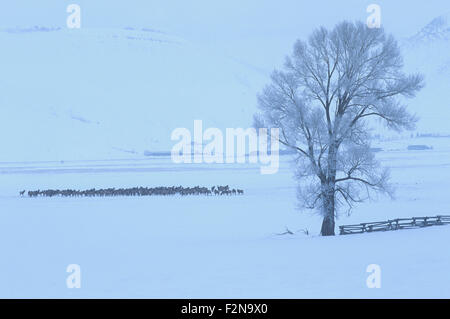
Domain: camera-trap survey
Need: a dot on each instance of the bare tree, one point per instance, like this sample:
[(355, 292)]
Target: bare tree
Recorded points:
[(323, 102)]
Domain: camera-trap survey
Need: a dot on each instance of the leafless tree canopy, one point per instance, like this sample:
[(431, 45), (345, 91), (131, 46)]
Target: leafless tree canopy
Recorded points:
[(323, 101)]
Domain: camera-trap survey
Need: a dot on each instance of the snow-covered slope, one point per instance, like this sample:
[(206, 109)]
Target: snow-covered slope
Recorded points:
[(437, 29), (428, 52), (108, 93), (95, 93)]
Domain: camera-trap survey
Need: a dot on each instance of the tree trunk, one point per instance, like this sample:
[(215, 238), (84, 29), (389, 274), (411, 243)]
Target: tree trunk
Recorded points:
[(328, 194), (328, 224)]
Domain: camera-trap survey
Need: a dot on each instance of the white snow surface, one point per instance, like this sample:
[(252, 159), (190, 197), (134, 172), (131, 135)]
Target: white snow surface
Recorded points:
[(224, 247), (79, 108)]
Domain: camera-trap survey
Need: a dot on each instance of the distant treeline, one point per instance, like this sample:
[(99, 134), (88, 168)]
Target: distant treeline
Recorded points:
[(167, 153), (419, 147), (431, 135)]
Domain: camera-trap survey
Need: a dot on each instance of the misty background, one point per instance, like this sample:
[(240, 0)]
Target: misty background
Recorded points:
[(136, 70)]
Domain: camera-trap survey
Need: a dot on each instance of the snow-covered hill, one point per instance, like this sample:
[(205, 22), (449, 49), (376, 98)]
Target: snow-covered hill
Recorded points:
[(114, 92), (437, 29), (105, 93), (428, 52)]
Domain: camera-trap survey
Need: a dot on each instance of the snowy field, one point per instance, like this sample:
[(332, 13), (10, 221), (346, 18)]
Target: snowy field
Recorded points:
[(217, 246)]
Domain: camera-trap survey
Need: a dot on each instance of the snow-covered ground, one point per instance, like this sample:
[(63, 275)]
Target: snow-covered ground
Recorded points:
[(217, 246), (79, 108)]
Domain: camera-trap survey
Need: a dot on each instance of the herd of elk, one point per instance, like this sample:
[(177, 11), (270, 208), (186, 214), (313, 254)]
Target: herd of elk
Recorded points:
[(136, 191)]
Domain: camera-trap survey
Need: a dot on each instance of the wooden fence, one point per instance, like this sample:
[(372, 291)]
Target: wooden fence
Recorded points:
[(394, 224)]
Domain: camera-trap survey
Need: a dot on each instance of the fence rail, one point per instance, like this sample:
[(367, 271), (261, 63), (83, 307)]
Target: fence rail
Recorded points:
[(394, 224)]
